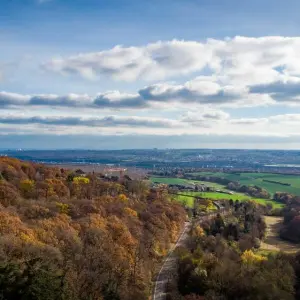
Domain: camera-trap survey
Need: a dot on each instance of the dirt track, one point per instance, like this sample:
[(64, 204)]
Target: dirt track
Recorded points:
[(272, 241)]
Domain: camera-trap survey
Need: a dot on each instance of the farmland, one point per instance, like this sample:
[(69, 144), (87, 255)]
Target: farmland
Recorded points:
[(169, 180), (186, 198), (220, 196), (258, 180)]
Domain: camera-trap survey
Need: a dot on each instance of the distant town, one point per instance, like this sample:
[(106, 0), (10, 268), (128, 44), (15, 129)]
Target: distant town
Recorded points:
[(171, 160)]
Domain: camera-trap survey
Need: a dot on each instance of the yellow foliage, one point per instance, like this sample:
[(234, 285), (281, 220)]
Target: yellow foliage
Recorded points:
[(249, 258), (123, 198), (159, 249), (50, 230), (27, 185), (209, 205), (81, 180), (28, 237), (64, 208), (198, 231), (25, 237), (130, 212), (50, 190), (175, 228)]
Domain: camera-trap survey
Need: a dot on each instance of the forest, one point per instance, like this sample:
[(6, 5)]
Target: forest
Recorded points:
[(291, 214), (222, 261), (68, 235)]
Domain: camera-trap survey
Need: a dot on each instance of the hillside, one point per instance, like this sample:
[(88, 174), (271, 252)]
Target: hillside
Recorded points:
[(66, 235)]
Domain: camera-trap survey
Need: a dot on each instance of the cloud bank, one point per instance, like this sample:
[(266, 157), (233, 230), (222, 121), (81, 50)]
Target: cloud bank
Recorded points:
[(199, 91), (108, 121), (253, 71)]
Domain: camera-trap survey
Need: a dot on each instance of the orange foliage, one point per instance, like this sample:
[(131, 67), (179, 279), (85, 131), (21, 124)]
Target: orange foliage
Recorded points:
[(8, 193), (9, 223), (93, 232), (130, 212)]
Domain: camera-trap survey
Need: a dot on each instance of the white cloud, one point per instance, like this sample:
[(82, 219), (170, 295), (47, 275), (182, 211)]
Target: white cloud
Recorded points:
[(250, 71), (197, 92), (290, 119), (107, 121), (249, 121), (8, 99), (231, 73), (205, 117), (282, 91), (241, 59), (152, 62), (207, 122), (72, 100)]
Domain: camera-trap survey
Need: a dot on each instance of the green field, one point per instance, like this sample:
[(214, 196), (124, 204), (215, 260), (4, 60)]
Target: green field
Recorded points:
[(169, 180), (220, 196), (210, 195), (257, 179), (189, 201)]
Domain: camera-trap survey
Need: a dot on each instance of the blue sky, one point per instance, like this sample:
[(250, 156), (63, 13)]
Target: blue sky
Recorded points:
[(158, 70)]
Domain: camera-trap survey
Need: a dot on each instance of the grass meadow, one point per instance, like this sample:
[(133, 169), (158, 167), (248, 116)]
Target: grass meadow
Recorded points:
[(187, 196), (258, 180)]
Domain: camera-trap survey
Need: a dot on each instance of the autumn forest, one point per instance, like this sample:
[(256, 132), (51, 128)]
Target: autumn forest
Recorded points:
[(68, 236)]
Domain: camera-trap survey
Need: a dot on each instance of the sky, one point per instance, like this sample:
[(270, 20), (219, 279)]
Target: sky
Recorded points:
[(117, 74)]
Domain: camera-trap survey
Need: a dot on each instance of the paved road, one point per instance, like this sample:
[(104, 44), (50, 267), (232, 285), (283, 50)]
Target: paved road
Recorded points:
[(170, 266)]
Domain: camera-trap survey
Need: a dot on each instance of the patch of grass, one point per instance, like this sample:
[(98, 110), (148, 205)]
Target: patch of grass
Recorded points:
[(234, 197), (185, 197), (265, 252), (189, 201), (170, 180)]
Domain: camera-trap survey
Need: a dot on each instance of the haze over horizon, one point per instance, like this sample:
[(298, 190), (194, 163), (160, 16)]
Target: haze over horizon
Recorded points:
[(124, 74)]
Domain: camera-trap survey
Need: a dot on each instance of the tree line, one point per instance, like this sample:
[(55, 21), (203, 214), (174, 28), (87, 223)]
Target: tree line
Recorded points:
[(291, 216)]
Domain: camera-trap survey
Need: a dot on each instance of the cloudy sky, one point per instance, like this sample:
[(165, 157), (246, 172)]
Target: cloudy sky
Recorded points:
[(116, 74)]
